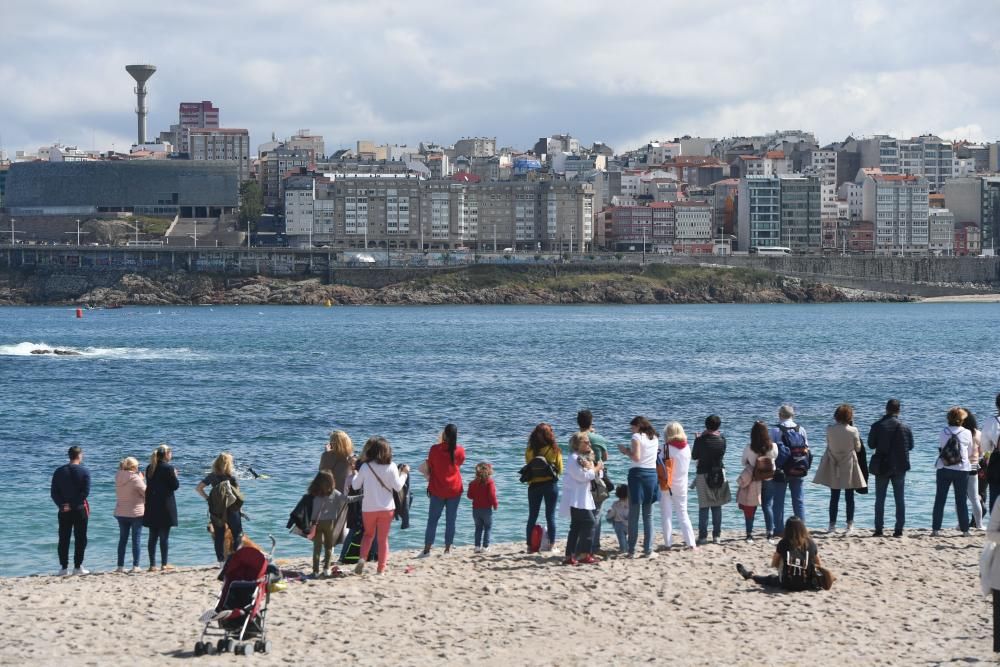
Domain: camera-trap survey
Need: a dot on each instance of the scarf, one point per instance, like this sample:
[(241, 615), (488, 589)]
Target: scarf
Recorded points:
[(678, 444)]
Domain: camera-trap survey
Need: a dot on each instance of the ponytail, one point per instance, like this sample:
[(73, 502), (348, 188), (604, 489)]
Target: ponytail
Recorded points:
[(159, 455), (450, 437)]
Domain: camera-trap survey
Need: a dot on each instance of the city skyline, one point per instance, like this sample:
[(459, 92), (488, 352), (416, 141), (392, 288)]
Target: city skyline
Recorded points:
[(441, 71)]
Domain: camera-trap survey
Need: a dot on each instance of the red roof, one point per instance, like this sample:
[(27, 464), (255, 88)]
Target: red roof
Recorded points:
[(775, 155)]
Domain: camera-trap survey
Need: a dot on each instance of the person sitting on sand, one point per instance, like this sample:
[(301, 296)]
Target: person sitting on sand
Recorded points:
[(578, 501), (224, 503), (796, 558)]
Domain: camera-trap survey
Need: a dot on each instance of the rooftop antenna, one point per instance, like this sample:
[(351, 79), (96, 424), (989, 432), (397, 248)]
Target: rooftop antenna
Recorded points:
[(141, 74)]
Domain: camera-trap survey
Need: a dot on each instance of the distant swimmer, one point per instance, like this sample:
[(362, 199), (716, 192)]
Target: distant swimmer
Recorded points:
[(257, 475)]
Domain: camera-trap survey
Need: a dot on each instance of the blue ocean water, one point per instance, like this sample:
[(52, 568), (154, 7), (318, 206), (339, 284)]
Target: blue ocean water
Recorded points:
[(269, 383)]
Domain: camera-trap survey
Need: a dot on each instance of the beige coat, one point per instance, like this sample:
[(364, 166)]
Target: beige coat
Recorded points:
[(839, 468)]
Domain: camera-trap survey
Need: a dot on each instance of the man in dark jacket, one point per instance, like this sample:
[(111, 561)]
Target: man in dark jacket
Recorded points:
[(70, 488), (890, 441)]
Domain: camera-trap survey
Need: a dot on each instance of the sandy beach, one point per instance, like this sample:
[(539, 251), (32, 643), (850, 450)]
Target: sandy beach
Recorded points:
[(963, 298), (913, 600)]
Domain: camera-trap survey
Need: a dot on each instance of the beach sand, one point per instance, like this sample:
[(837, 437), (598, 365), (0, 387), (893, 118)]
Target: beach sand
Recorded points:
[(907, 601), (963, 298)]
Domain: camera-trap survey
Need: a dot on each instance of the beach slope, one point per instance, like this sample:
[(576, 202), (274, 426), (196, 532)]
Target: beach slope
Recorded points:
[(913, 600)]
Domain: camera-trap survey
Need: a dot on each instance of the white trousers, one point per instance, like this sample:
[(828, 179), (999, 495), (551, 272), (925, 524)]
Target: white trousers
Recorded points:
[(974, 504), (677, 501)]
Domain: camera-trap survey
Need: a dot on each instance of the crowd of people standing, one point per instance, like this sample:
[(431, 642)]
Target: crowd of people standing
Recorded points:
[(353, 500)]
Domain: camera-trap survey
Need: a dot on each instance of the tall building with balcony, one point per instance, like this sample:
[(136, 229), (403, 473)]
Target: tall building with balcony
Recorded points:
[(880, 152), (759, 218), (898, 206), (928, 156), (693, 225), (940, 231)]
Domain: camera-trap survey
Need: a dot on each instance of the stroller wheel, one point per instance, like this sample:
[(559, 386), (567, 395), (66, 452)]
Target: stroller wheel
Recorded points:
[(265, 646), (199, 649), (230, 646), (220, 646), (248, 649), (238, 649)]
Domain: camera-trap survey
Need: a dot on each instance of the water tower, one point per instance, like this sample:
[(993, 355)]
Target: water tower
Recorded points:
[(141, 74)]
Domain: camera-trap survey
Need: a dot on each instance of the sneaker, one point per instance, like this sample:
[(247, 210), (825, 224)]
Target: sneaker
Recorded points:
[(749, 539), (850, 528), (135, 569), (326, 573), (589, 559), (62, 573), (485, 549), (935, 533), (715, 539), (832, 527), (650, 554), (80, 571), (120, 569), (631, 555), (701, 540), (152, 568), (478, 550), (966, 534), (570, 561), (167, 568), (745, 573), (878, 533), (897, 533), (360, 567), (424, 554)]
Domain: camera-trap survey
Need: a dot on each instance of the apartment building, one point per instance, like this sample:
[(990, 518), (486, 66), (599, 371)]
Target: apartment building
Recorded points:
[(693, 228), (940, 231), (880, 152), (898, 206), (231, 144), (800, 212), (759, 218), (928, 156)]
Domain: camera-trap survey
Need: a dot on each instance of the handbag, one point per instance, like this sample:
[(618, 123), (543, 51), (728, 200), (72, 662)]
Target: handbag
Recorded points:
[(824, 578), (599, 491), (862, 458)]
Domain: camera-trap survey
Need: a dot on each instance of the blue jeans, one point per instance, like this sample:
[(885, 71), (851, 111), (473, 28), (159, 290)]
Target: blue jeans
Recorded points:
[(595, 543), (959, 481), (621, 532), (835, 505), (235, 523), (881, 487), (129, 525), (642, 493), (450, 507), (777, 492), (483, 519), (703, 513), (767, 503), (549, 492)]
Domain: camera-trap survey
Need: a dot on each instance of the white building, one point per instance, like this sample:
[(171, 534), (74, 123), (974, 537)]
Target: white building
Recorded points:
[(852, 194), (823, 165), (300, 195), (898, 206), (927, 156), (692, 223)]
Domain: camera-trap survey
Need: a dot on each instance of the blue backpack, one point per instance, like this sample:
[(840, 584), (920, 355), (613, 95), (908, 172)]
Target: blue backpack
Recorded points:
[(794, 456)]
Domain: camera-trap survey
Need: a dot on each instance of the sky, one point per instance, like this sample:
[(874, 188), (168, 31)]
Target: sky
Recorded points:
[(403, 72)]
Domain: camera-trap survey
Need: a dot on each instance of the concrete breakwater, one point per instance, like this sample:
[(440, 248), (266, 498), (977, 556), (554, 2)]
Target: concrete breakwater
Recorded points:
[(527, 284)]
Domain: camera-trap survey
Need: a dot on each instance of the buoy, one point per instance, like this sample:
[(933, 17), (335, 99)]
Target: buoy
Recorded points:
[(79, 313), (328, 303)]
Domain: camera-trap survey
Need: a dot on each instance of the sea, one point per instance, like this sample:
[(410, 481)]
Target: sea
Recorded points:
[(269, 384)]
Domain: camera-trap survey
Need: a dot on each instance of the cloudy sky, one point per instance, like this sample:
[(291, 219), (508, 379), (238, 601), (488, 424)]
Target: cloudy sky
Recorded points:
[(437, 70)]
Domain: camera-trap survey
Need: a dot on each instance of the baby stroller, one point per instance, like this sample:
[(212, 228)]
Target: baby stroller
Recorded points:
[(241, 613)]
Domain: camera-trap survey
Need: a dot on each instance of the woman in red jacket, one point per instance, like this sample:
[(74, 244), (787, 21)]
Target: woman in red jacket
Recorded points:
[(444, 485)]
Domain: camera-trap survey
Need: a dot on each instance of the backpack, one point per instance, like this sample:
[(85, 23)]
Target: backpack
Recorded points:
[(218, 508), (535, 541), (763, 469), (799, 457), (715, 477), (665, 470), (951, 452), (537, 468), (797, 570)]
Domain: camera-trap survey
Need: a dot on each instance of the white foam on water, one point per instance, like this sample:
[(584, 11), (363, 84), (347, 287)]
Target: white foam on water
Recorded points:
[(26, 350)]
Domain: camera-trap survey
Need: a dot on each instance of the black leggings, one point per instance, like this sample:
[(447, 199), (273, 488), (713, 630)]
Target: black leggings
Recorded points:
[(163, 535)]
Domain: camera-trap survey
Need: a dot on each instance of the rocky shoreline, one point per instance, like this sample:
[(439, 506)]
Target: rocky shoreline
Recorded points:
[(152, 289)]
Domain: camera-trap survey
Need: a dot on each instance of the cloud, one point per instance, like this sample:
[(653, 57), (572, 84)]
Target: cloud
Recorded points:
[(438, 70)]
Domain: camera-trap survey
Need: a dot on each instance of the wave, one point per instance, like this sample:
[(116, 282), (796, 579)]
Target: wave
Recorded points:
[(28, 349)]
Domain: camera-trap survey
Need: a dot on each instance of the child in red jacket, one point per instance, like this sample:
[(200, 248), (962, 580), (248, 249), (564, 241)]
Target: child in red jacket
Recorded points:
[(483, 493)]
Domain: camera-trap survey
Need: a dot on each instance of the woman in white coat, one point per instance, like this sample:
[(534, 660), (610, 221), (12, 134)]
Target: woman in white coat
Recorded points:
[(989, 571), (578, 502), (676, 448)]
